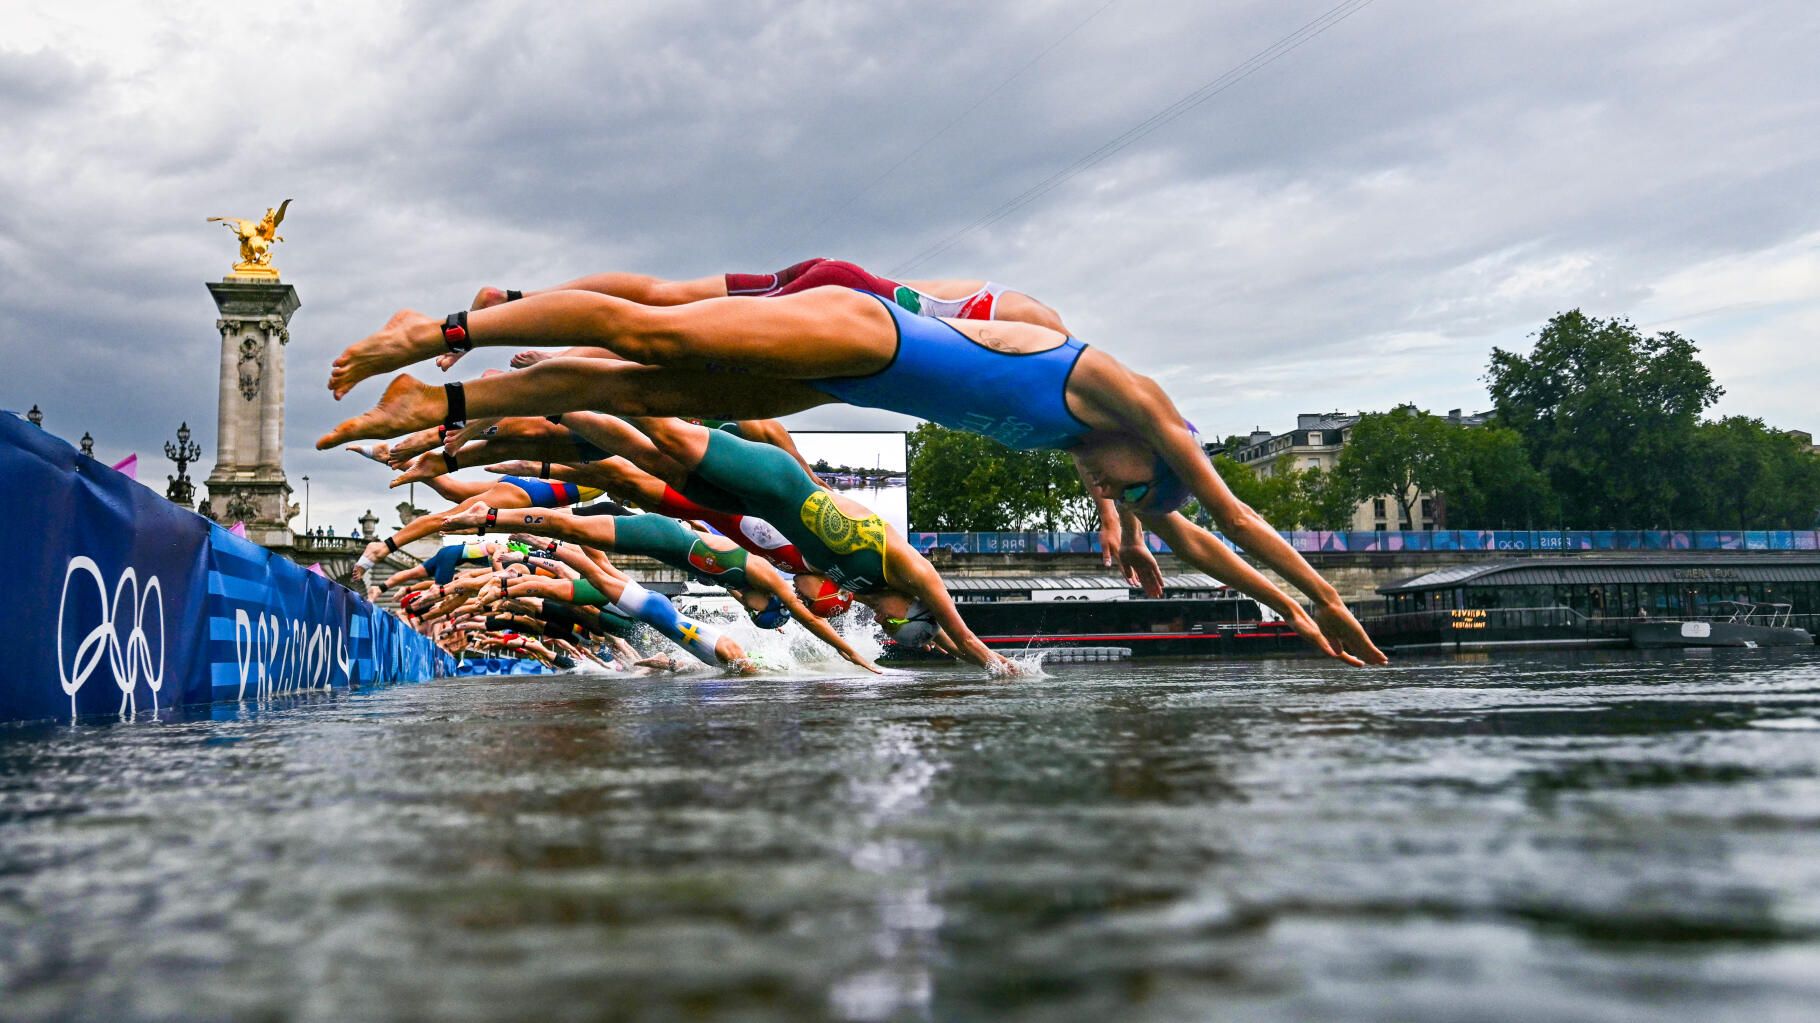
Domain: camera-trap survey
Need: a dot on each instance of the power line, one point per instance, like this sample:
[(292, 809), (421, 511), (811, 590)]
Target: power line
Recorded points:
[(1232, 76), (958, 118)]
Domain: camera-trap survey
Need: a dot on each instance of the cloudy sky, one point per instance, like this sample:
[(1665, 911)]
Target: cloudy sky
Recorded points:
[(1352, 226)]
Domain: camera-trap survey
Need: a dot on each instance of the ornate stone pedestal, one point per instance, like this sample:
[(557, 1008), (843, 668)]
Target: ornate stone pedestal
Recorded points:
[(248, 483)]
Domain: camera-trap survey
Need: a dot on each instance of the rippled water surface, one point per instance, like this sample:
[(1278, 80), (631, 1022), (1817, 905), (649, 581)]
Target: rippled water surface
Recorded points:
[(1614, 837)]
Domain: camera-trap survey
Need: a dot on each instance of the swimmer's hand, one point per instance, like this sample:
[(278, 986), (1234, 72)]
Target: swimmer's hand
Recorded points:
[(1311, 634), (1347, 636), (855, 657), (1141, 569), (1109, 543)]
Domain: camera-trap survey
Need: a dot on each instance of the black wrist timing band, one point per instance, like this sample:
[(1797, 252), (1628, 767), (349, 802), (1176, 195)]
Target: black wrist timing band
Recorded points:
[(391, 545), (454, 463), (513, 295), (455, 333), (457, 416), (492, 519)]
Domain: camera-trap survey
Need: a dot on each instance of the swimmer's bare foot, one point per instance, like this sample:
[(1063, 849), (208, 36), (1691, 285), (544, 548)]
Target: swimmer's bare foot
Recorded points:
[(423, 467), (477, 429), (530, 357), (468, 518), (416, 444), (407, 404), (409, 336), (377, 452)]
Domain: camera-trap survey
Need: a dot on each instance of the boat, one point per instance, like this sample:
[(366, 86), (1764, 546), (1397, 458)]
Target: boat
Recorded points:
[(1748, 625), (1197, 617)]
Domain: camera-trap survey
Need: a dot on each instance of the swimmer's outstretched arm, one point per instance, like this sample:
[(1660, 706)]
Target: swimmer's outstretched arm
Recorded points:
[(771, 581), (1139, 405), (917, 576), (1135, 559), (1112, 533), (404, 577), (1202, 549)]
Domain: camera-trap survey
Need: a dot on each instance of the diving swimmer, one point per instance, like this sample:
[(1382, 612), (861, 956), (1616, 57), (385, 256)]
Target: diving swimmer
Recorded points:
[(1024, 385)]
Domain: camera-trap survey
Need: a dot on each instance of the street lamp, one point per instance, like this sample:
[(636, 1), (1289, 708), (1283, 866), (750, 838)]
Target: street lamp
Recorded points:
[(306, 504), (182, 491), (35, 417)]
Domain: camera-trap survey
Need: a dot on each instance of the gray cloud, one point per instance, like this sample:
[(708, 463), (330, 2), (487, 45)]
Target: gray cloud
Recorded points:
[(1353, 226)]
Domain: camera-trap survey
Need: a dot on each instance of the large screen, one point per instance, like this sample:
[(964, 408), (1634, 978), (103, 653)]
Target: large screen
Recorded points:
[(868, 466)]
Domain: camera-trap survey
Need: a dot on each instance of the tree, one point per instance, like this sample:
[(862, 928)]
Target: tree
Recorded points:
[(1278, 497), (1404, 453), (962, 481), (1744, 475), (1327, 500), (1498, 487), (1609, 416)]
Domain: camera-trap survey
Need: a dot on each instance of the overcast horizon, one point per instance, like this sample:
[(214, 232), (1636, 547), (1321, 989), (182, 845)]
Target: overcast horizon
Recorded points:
[(1353, 226)]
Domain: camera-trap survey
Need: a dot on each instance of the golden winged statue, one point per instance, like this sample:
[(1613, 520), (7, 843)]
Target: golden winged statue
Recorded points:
[(256, 240)]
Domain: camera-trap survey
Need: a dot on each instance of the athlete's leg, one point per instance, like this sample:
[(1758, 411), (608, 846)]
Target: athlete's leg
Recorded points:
[(594, 530), (825, 332), (571, 385), (631, 287), (457, 490), (619, 478)]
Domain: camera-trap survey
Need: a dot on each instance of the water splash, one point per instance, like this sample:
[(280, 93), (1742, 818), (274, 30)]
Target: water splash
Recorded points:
[(791, 650)]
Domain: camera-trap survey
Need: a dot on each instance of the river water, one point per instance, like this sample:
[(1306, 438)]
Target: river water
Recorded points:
[(1588, 837)]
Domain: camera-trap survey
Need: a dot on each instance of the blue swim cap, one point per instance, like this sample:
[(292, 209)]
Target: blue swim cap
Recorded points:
[(773, 616), (1167, 491)]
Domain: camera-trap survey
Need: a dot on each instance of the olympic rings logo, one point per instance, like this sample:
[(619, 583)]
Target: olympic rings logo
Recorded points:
[(129, 657)]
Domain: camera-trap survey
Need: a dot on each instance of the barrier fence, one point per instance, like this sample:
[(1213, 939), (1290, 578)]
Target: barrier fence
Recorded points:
[(114, 600), (1486, 540)]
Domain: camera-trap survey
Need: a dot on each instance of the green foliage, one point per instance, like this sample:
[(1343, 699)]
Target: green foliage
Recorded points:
[(1609, 416), (962, 481), (1404, 453), (1748, 476), (1328, 500), (1288, 499), (1498, 487)]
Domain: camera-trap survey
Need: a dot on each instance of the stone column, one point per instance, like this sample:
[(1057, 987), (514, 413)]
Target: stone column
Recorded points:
[(227, 434), (248, 482)]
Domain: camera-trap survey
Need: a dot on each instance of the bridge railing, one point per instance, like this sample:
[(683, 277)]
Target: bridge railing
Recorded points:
[(1488, 541)]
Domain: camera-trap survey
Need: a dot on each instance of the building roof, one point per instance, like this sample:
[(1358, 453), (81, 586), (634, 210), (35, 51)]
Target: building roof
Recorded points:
[(1681, 568), (1026, 583)]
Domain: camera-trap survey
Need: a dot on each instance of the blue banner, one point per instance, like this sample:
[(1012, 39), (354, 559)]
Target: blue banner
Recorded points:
[(1489, 540), (115, 601)]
